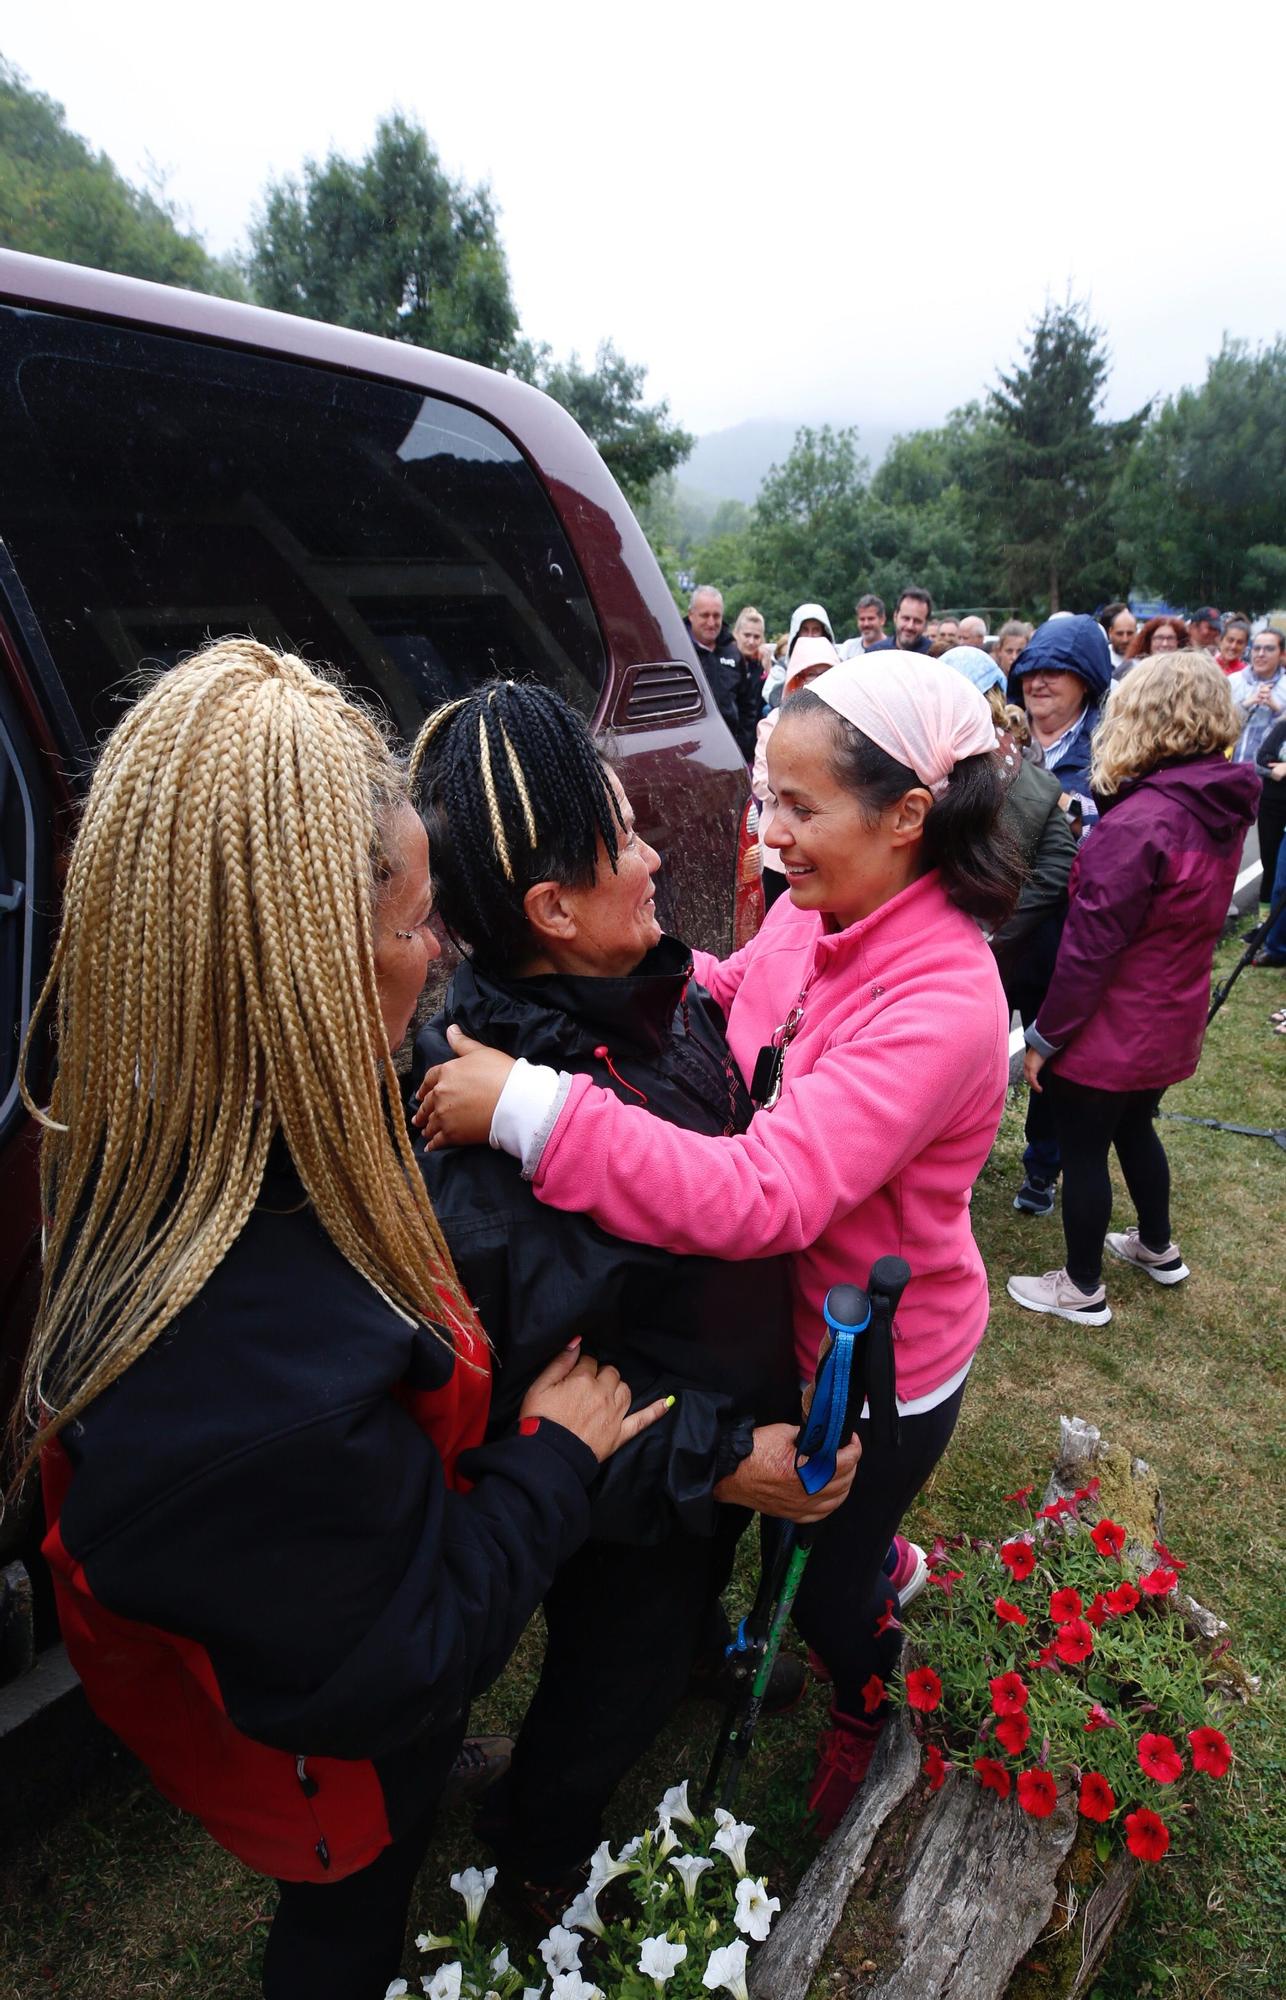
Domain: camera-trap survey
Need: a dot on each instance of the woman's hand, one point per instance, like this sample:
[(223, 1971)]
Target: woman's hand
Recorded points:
[(1033, 1064), (590, 1400), (457, 1100), (768, 1482)]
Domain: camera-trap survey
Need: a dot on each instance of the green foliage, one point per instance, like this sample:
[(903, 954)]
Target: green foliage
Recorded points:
[(1047, 465), (390, 244), (58, 199), (1202, 501), (637, 440)]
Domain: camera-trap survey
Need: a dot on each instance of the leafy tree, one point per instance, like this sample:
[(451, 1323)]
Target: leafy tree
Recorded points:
[(637, 440), (1202, 501), (59, 199), (390, 244), (1048, 464), (806, 536)]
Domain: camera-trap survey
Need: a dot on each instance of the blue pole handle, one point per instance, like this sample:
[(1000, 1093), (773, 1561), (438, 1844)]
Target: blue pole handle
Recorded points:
[(847, 1312)]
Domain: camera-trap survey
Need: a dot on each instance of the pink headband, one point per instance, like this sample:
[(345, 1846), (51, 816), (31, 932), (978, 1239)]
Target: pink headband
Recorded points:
[(918, 710)]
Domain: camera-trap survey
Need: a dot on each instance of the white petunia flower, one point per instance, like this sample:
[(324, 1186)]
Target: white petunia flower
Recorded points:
[(668, 1839), (500, 1963), (727, 1967), (572, 1986), (430, 1941), (631, 1848), (583, 1914), (658, 1959), (561, 1950), (445, 1983), (395, 1990), (731, 1838), (675, 1805), (755, 1908), (602, 1868), (534, 1992), (474, 1884), (690, 1868)]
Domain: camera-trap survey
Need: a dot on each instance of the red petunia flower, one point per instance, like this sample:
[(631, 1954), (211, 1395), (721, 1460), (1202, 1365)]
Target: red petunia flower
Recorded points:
[(1211, 1752), (1009, 1614), (1088, 1492), (1099, 1718), (1065, 1604), (1096, 1613), (1019, 1559), (1171, 1561), (1159, 1759), (872, 1694), (1056, 1509), (947, 1579), (1012, 1732), (938, 1553), (1124, 1598), (1023, 1493), (1075, 1642), (1097, 1800), (1009, 1694), (1047, 1657), (935, 1767), (1158, 1582), (887, 1620), (1037, 1793), (1108, 1538), (992, 1776), (923, 1689), (1146, 1834)]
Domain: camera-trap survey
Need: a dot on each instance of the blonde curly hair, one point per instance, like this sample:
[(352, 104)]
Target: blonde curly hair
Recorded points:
[(1170, 706), (214, 984)]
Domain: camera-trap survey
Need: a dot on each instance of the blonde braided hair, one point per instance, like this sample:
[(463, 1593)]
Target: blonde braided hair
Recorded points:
[(215, 983)]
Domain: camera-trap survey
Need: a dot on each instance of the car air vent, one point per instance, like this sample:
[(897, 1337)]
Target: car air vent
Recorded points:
[(668, 692)]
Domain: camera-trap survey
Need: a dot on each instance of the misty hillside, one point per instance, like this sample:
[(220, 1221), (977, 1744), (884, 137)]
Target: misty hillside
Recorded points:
[(729, 465)]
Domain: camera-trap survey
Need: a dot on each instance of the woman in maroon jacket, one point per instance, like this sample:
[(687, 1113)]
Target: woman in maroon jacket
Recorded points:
[(1126, 1009)]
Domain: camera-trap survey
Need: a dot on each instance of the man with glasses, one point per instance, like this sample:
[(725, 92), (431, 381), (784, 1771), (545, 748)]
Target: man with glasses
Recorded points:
[(1259, 692)]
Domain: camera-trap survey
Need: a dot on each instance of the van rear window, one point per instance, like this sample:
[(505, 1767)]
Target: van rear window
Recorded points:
[(159, 491)]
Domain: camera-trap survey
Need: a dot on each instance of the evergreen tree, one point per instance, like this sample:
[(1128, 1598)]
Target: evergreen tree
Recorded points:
[(637, 440), (1049, 463)]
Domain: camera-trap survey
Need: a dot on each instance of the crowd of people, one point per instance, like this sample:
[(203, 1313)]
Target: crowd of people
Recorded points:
[(337, 1375)]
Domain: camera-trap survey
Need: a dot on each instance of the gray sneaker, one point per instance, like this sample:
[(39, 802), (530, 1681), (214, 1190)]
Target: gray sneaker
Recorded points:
[(1166, 1266), (1055, 1293)]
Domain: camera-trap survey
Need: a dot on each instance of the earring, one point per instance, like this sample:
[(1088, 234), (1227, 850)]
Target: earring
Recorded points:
[(408, 935)]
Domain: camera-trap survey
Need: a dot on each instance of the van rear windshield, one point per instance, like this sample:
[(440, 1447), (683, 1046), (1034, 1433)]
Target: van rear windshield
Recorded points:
[(158, 492)]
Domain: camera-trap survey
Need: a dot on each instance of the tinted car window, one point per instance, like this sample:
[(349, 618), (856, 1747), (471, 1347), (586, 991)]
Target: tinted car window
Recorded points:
[(158, 491)]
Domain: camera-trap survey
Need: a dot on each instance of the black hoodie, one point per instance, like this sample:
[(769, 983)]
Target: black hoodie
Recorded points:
[(717, 1335)]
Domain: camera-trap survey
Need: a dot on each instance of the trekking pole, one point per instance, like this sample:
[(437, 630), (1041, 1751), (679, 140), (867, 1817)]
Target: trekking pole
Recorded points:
[(848, 1375), (1252, 941)]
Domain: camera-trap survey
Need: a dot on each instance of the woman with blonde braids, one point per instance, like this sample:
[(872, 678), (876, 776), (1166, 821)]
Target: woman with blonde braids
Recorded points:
[(254, 1370)]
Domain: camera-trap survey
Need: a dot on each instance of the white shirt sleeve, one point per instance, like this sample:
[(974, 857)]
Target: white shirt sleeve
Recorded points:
[(527, 1112)]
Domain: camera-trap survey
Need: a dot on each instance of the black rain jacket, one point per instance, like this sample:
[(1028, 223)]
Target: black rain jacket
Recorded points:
[(716, 1335)]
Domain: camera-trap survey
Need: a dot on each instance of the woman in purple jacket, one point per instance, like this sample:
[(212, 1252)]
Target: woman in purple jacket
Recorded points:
[(1126, 1009)]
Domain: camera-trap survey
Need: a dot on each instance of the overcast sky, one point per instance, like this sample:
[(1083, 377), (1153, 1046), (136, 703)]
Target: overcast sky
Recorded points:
[(795, 210)]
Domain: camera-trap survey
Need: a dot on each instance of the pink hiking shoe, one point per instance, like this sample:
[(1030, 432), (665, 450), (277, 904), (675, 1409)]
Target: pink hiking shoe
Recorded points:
[(844, 1753)]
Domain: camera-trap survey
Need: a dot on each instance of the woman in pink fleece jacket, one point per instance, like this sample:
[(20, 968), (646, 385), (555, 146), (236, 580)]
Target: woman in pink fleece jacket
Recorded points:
[(875, 986)]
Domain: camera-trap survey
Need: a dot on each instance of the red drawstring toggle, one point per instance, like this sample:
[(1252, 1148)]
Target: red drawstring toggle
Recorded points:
[(604, 1057)]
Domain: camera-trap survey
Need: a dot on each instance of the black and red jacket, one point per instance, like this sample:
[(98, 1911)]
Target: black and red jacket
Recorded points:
[(274, 1581)]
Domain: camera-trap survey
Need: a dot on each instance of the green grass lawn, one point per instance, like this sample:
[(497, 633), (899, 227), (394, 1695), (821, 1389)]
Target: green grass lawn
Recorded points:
[(122, 1898)]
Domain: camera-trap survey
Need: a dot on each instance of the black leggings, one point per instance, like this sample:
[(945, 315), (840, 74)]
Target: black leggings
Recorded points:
[(343, 1940), (1089, 1122), (844, 1588)]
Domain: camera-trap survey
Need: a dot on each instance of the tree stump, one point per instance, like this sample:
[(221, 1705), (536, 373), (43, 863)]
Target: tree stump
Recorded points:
[(955, 1893)]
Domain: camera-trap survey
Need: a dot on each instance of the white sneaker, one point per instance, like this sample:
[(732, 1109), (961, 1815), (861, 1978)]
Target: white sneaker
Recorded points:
[(1055, 1293), (1166, 1266)]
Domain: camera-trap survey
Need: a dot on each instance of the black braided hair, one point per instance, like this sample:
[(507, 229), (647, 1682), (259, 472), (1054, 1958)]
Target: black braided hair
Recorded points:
[(513, 792)]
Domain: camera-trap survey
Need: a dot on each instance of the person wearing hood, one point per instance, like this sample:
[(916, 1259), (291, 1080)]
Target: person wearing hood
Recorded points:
[(811, 657), (1025, 946), (735, 689), (1061, 677), (1125, 1014), (807, 621)]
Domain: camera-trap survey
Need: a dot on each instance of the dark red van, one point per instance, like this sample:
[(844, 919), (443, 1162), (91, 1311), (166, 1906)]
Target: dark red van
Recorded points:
[(176, 467)]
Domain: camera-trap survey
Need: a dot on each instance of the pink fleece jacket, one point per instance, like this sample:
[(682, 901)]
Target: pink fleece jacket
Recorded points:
[(893, 1089)]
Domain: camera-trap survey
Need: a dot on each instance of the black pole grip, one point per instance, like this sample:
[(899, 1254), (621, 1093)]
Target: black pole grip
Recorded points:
[(890, 1276), (848, 1305)]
